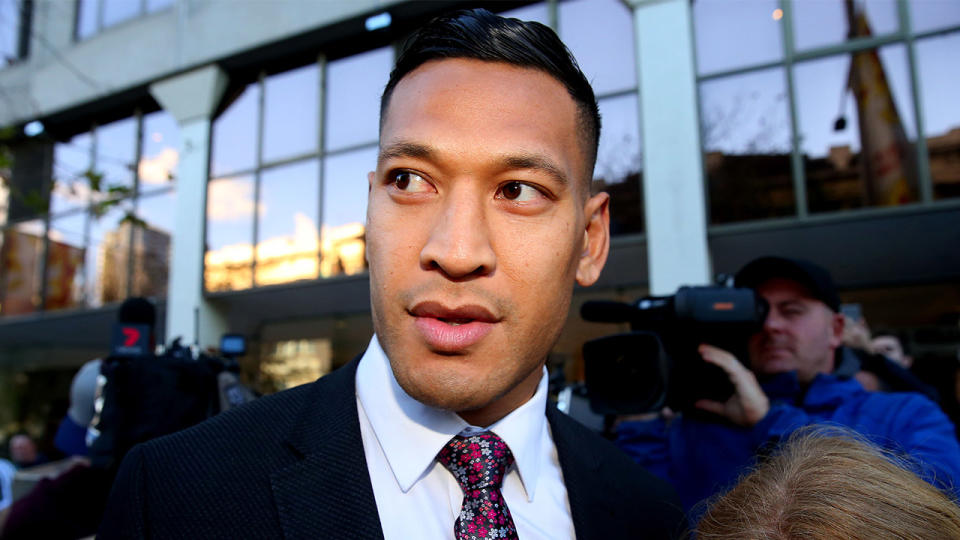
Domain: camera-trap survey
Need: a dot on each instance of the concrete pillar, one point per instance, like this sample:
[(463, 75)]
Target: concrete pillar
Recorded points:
[(673, 184), (191, 98)]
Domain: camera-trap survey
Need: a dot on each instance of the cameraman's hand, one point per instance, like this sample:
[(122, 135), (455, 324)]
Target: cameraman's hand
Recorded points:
[(748, 404)]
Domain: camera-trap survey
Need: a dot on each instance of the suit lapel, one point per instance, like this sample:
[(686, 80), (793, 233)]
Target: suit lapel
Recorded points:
[(327, 492), (596, 509)]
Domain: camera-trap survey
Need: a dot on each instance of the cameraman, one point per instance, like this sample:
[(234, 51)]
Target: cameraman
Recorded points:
[(790, 383)]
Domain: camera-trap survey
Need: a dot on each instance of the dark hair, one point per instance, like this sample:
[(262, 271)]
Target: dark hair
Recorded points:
[(481, 35)]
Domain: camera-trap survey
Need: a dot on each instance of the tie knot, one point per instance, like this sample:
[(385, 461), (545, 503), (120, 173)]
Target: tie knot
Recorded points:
[(477, 462)]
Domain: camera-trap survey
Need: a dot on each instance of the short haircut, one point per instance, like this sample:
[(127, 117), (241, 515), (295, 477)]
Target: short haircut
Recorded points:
[(481, 35), (828, 482)]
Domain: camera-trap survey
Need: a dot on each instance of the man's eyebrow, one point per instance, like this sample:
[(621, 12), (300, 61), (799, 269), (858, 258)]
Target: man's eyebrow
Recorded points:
[(537, 163), (404, 149)]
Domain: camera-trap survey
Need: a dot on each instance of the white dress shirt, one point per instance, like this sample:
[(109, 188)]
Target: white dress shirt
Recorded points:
[(416, 496)]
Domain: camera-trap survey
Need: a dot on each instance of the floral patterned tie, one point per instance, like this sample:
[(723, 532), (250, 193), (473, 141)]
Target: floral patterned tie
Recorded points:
[(478, 462)]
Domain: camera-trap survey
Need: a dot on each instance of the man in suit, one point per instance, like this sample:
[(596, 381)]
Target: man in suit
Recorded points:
[(480, 220)]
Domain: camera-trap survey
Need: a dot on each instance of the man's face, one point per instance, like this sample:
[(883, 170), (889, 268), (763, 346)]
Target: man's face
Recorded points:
[(800, 333), (478, 224)]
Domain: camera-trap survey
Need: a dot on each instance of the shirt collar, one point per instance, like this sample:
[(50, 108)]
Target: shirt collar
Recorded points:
[(411, 433)]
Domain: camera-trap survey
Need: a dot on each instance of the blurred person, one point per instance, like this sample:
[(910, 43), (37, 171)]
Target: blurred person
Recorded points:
[(479, 223), (789, 383), (23, 451), (830, 483), (68, 499), (875, 371)]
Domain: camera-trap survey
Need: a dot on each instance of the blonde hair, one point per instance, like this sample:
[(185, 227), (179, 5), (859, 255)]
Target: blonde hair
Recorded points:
[(830, 483)]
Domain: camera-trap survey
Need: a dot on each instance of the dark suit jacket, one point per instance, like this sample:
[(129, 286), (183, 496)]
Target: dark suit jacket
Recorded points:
[(292, 465)]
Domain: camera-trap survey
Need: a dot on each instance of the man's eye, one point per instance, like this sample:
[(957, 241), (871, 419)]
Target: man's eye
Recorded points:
[(409, 182), (519, 192)]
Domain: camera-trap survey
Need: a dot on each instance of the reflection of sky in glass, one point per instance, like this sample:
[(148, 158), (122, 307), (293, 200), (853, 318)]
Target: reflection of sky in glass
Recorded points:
[(158, 211), (105, 256), (818, 23), (8, 30), (606, 57), (234, 145), (619, 152), (116, 152), (68, 229), (735, 34), (86, 18), (354, 85), (821, 82), (285, 193), (937, 68), (746, 114), (345, 186), (70, 160), (933, 14), (535, 12), (229, 212), (116, 11), (290, 113), (161, 143)]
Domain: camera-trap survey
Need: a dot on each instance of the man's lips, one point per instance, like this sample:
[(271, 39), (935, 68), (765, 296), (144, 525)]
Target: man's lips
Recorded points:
[(449, 330)]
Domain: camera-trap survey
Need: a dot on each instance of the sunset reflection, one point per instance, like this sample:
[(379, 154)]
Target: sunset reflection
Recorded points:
[(284, 259)]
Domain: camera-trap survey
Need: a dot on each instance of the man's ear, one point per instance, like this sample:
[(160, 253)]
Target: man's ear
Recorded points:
[(596, 239), (836, 329)]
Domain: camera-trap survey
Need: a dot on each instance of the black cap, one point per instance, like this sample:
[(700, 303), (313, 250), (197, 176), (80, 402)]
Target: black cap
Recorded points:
[(814, 278)]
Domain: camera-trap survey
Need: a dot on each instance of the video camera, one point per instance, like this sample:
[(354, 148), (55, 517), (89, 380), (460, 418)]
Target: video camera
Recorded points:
[(657, 363)]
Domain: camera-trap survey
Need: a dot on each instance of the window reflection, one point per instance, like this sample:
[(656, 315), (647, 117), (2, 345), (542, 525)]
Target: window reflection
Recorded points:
[(229, 256), (354, 85), (607, 57), (116, 11), (736, 34), (870, 161), (289, 241), (342, 237), (234, 146), (65, 260), (934, 14), (71, 162), (746, 138), (292, 362), (87, 18), (152, 233), (937, 69), (618, 169), (21, 254), (290, 113), (160, 154), (107, 257), (116, 153), (818, 23)]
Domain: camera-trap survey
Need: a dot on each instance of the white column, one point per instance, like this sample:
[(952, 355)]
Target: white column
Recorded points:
[(191, 98), (673, 184)]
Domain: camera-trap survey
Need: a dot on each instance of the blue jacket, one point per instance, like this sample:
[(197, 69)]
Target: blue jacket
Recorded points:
[(703, 458)]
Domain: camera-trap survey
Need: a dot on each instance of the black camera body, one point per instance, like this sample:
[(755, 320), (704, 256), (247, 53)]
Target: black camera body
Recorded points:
[(657, 364)]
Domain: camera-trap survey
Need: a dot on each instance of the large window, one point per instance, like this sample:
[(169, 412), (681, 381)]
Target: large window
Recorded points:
[(607, 59), (94, 16), (814, 107), (104, 232), (287, 196), (15, 22)]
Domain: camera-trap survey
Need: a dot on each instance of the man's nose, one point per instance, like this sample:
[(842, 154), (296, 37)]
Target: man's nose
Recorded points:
[(459, 242), (773, 322)]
